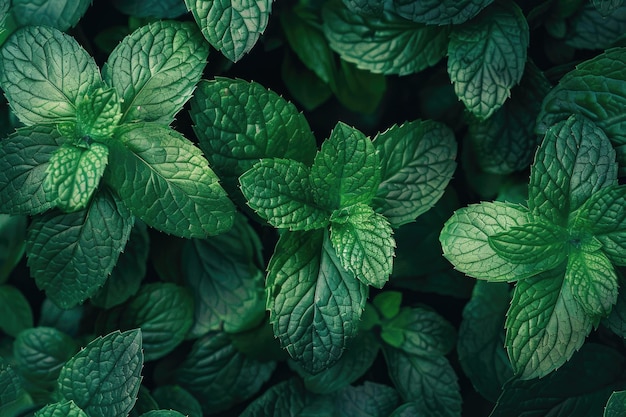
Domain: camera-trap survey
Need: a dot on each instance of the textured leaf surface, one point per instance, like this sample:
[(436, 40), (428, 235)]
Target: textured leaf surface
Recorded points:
[(288, 399), (385, 44), (71, 255), (155, 70), (61, 409), (364, 243), (177, 398), (166, 182), (98, 114), (593, 281), (280, 191), (163, 413), (440, 12), (606, 7), (486, 57), (61, 15), (103, 378), (616, 405), (545, 324), (15, 312), (417, 162), (591, 29), (39, 87), (231, 26), (368, 400), (314, 303), (11, 390)]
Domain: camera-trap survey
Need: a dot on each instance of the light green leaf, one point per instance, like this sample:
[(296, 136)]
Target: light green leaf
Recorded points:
[(616, 405), (288, 399), (177, 398), (231, 26), (39, 87), (219, 375), (465, 241), (427, 380), (74, 174), (15, 312), (367, 400), (590, 28), (155, 70), (388, 303), (103, 378), (61, 409), (606, 7), (97, 114), (71, 255), (574, 161), (61, 15), (281, 192), (593, 281), (385, 44), (486, 57), (160, 9), (166, 182), (545, 324), (12, 243), (24, 160), (364, 243), (440, 12), (417, 162), (314, 303), (239, 122)]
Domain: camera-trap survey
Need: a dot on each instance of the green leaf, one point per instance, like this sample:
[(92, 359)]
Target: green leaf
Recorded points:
[(486, 57), (545, 324), (590, 28), (231, 26), (239, 122), (427, 380), (364, 243), (61, 409), (409, 409), (12, 243), (155, 70), (225, 280), (13, 398), (417, 162), (220, 376), (24, 159), (67, 321), (166, 182), (385, 44), (345, 171), (15, 312), (367, 400), (160, 9), (357, 89), (74, 174), (606, 7), (314, 303), (305, 87), (593, 281), (574, 161), (288, 399), (71, 255), (371, 7), (44, 89), (281, 192), (103, 378), (98, 113), (61, 15), (388, 303), (177, 398), (144, 403), (440, 12), (616, 405), (163, 413)]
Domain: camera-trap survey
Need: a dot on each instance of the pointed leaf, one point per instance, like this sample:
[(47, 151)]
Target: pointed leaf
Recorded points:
[(61, 14), (61, 409), (177, 398), (593, 281), (440, 12), (616, 405), (15, 312), (589, 28), (98, 114), (12, 393)]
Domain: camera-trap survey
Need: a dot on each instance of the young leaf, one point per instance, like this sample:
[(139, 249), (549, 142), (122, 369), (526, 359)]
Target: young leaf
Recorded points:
[(616, 405), (41, 88), (545, 324), (314, 303), (15, 312), (61, 15), (98, 114), (72, 272), (440, 12), (103, 378), (280, 191), (231, 26), (61, 409), (370, 399), (385, 44), (220, 376), (177, 398), (417, 162), (346, 169), (155, 70), (486, 57), (364, 243), (593, 281), (24, 160), (166, 182), (12, 243)]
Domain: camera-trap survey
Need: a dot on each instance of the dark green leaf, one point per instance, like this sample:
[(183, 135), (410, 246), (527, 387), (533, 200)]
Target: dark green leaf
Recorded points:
[(591, 28), (161, 9), (357, 89), (606, 7), (177, 398), (306, 88), (440, 12), (12, 394), (144, 403), (15, 312), (12, 242), (68, 321), (163, 413), (289, 399), (61, 409), (60, 14), (367, 400), (616, 406)]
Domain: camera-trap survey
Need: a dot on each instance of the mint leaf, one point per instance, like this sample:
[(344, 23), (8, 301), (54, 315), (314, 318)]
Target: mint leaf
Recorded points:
[(388, 303), (103, 378), (61, 409), (163, 413), (161, 9), (39, 87), (357, 89), (616, 405), (72, 272), (606, 7), (98, 114), (417, 162), (144, 404), (67, 321), (231, 26), (239, 122), (15, 312), (219, 375), (367, 400), (439, 12), (280, 191), (593, 281), (61, 15), (364, 243), (286, 399), (574, 161), (545, 324), (12, 394), (486, 57), (166, 182), (371, 7), (177, 398), (385, 44), (12, 243), (591, 29), (345, 171), (314, 303), (74, 174), (24, 160), (155, 70)]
